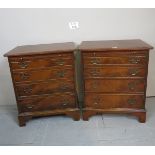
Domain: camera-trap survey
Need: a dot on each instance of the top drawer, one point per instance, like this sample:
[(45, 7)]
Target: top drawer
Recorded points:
[(40, 61), (141, 60), (114, 53), (114, 58)]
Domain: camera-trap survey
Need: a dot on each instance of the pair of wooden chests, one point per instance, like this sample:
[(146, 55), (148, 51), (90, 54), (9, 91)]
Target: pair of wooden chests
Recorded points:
[(114, 78)]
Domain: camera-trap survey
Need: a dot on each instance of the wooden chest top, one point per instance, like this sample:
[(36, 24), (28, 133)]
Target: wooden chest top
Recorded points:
[(135, 44), (41, 49)]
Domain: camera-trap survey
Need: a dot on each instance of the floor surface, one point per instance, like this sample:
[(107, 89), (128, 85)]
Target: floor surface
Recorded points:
[(63, 131)]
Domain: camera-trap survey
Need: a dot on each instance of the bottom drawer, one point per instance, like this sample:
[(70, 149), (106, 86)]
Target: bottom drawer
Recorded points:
[(106, 101), (56, 101)]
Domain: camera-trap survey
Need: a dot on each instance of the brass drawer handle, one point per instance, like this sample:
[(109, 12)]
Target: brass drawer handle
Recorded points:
[(24, 76), (63, 87), (134, 60), (95, 72), (133, 72), (61, 74), (132, 85), (132, 101), (64, 104), (23, 64), (27, 90), (60, 62), (95, 85), (95, 61), (94, 54), (96, 100), (30, 106)]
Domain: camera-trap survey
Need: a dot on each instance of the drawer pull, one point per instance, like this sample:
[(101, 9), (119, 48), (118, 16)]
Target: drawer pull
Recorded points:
[(60, 62), (133, 72), (134, 60), (96, 100), (64, 87), (27, 90), (95, 85), (61, 74), (30, 107), (94, 54), (95, 61), (24, 76), (23, 64), (132, 85), (95, 72), (131, 101), (64, 104)]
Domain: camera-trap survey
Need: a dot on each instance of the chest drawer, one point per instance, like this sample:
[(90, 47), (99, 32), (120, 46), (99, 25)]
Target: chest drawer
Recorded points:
[(44, 88), (39, 57), (43, 75), (115, 85), (113, 53), (139, 60), (114, 71), (40, 63), (55, 101), (107, 101)]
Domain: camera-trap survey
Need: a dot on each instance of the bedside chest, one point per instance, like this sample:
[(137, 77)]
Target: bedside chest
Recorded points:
[(44, 80), (115, 77)]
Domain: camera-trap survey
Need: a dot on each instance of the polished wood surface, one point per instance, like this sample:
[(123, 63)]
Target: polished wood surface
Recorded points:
[(114, 45), (41, 49), (43, 63), (115, 77), (44, 80), (43, 75), (109, 60), (47, 102), (38, 57), (112, 71), (107, 101), (114, 53), (44, 87), (115, 85)]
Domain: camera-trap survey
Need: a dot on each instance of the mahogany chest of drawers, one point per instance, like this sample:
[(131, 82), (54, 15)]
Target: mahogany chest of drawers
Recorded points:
[(44, 80), (115, 77)]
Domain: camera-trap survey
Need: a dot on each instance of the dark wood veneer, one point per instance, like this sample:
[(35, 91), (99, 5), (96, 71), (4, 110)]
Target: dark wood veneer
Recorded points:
[(55, 48), (44, 80), (115, 77)]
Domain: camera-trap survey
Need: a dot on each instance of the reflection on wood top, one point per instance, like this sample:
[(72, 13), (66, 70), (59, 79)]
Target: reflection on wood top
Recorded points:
[(135, 44), (41, 49)]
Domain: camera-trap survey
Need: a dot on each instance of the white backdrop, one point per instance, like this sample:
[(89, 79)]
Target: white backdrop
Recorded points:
[(33, 26)]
